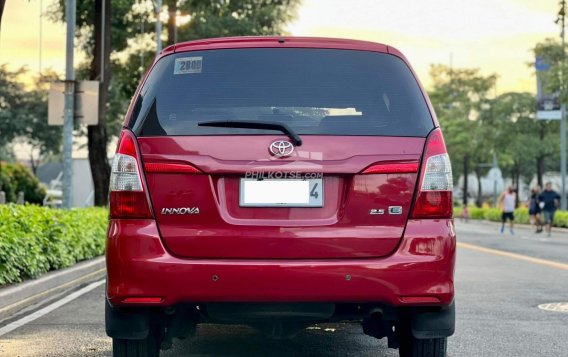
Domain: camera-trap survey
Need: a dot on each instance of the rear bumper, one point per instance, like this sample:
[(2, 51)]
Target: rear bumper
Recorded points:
[(419, 273)]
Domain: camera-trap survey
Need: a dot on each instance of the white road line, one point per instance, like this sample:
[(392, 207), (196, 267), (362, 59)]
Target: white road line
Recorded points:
[(46, 310)]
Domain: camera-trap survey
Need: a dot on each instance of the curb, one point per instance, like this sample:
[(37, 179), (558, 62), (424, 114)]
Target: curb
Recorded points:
[(20, 296)]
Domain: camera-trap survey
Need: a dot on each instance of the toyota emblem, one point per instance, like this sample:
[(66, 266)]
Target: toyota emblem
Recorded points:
[(281, 148)]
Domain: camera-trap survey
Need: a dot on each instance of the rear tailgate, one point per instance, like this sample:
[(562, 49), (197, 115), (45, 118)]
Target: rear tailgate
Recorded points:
[(345, 226), (350, 108)]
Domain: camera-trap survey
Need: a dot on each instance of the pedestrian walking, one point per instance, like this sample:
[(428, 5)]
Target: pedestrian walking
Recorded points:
[(465, 214), (534, 209), (507, 202), (549, 201)]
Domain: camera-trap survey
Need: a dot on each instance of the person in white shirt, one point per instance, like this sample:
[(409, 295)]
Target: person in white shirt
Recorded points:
[(507, 202)]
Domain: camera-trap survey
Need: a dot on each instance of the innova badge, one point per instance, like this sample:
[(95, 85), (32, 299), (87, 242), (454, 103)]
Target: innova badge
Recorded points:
[(181, 210)]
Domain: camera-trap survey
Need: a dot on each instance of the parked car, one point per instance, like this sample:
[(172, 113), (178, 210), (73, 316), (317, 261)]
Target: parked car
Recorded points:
[(280, 182)]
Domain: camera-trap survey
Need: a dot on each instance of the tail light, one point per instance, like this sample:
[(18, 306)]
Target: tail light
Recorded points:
[(434, 198), (128, 197)]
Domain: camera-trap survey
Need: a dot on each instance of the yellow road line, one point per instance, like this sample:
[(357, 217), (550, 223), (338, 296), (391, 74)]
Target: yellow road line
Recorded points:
[(526, 258)]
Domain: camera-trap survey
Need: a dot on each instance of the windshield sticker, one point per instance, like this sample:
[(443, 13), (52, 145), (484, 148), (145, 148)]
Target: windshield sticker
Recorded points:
[(188, 65)]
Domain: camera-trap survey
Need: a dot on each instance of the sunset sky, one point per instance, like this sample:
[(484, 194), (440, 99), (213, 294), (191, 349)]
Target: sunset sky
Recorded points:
[(494, 35)]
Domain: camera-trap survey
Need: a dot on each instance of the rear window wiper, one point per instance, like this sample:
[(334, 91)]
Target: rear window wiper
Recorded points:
[(253, 124)]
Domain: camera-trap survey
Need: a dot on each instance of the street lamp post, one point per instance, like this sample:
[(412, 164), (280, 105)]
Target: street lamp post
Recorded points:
[(69, 110)]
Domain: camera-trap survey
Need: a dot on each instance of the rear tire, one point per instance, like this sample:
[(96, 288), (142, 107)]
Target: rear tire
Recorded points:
[(410, 346), (147, 347)]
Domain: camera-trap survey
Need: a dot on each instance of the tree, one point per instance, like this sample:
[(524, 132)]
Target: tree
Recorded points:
[(461, 98), (236, 18), (2, 4), (525, 145), (12, 103), (23, 114), (11, 99), (100, 70), (209, 19)]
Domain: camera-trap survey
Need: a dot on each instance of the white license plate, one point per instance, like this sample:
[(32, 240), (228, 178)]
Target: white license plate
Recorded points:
[(281, 193)]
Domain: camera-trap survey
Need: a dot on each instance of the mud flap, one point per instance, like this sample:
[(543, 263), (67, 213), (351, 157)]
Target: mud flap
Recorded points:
[(437, 324), (126, 324)]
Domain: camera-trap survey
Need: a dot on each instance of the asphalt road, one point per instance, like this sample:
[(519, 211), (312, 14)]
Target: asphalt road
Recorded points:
[(497, 312)]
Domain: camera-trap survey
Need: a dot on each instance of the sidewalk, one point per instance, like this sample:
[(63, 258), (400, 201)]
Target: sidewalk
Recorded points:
[(17, 298)]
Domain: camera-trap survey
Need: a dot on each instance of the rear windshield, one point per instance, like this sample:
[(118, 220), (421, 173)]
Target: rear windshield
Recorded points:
[(313, 91)]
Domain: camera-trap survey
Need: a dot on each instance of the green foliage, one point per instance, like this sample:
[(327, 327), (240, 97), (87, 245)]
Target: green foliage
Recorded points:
[(15, 178), (521, 215), (561, 219), (35, 240), (477, 213), (492, 214)]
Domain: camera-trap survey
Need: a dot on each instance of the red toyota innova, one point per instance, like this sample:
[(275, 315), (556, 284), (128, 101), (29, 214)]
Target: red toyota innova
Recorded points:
[(280, 182)]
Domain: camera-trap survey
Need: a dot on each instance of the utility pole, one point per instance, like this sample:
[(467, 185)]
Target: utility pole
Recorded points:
[(562, 15), (69, 111), (158, 27), (103, 19)]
